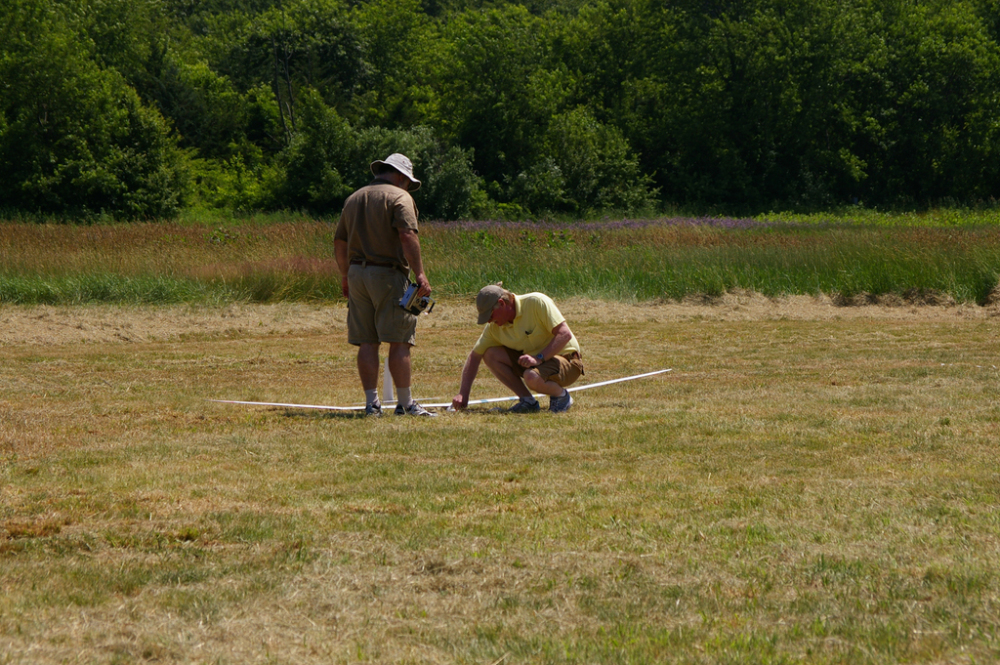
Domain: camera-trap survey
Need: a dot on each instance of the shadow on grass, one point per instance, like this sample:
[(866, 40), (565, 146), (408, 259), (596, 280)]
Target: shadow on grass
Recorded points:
[(324, 415), (388, 413)]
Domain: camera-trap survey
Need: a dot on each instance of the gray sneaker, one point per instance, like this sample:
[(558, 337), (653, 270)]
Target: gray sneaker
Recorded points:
[(374, 409), (413, 410), (560, 404), (524, 406)]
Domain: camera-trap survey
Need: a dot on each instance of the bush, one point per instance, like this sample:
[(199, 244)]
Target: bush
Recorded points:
[(317, 157), (599, 169), (328, 159), (75, 139)]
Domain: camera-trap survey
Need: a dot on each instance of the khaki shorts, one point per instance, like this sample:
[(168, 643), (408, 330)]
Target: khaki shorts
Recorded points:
[(373, 311), (560, 370)]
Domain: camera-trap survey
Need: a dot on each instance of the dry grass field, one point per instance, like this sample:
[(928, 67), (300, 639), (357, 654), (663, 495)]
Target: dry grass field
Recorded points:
[(811, 483)]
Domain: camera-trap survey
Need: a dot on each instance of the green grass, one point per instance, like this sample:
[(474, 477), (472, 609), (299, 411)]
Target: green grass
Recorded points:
[(818, 488), (854, 216), (107, 288), (635, 261), (653, 262), (812, 490)]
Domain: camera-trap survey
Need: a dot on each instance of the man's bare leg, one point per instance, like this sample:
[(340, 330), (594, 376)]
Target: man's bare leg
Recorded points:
[(535, 381), (400, 364), (368, 366), (498, 361)]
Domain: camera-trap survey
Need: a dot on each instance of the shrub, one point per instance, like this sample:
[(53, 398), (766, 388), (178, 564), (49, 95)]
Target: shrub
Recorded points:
[(328, 159), (76, 140), (599, 168)]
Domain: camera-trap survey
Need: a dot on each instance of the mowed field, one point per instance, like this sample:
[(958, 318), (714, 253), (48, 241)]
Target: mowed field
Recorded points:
[(811, 483)]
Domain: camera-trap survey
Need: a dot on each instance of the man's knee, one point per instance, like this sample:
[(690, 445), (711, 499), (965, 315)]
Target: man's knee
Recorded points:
[(368, 351), (399, 348), (533, 380)]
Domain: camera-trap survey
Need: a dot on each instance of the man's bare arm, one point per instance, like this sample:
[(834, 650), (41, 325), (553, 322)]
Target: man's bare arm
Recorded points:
[(469, 372), (561, 335), (343, 262), (411, 250)]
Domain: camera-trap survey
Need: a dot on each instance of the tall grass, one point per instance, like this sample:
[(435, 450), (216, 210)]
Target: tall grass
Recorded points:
[(648, 260), (91, 288), (167, 263), (857, 216)]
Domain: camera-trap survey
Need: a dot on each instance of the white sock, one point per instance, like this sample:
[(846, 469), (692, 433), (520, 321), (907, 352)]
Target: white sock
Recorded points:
[(371, 396), (403, 396), (530, 399)]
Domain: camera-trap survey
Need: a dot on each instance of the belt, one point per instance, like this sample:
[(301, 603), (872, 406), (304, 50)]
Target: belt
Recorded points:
[(378, 264)]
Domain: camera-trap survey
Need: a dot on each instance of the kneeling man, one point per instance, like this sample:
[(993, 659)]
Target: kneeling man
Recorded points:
[(527, 345)]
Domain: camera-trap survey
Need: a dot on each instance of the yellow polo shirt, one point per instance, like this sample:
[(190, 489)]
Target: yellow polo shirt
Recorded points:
[(531, 329)]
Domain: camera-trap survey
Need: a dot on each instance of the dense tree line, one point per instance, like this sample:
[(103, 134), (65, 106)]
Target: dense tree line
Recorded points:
[(139, 108)]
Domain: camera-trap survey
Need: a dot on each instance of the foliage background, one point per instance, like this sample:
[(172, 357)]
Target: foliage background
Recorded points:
[(142, 109)]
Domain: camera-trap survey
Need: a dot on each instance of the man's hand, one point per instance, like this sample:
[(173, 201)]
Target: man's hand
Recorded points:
[(343, 285), (423, 285), (528, 361), (459, 402)]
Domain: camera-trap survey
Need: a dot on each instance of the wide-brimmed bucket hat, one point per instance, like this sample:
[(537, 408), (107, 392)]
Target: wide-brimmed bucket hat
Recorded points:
[(398, 162)]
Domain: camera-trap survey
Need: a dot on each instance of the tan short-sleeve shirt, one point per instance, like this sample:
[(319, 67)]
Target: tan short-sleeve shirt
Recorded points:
[(371, 221)]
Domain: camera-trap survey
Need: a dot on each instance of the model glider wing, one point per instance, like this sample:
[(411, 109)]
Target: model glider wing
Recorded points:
[(439, 404), (291, 406)]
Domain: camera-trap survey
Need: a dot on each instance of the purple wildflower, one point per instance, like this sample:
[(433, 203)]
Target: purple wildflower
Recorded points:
[(606, 225)]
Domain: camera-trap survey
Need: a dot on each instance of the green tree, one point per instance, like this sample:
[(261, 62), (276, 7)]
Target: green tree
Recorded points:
[(938, 137), (76, 140), (320, 150), (762, 108), (496, 95), (311, 44), (328, 159), (450, 188), (397, 40), (599, 170)]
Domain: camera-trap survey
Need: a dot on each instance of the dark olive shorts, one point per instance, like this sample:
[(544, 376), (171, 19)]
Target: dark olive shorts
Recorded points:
[(373, 313), (560, 370)]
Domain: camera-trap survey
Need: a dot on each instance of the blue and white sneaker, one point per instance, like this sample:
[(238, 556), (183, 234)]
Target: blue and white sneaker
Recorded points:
[(524, 406), (413, 410), (374, 409), (560, 404)]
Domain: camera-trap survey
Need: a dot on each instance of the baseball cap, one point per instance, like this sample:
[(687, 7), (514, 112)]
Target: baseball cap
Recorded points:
[(487, 300)]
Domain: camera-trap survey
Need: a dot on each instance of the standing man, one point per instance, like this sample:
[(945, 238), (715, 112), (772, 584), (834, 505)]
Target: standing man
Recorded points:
[(377, 246), (527, 345)]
